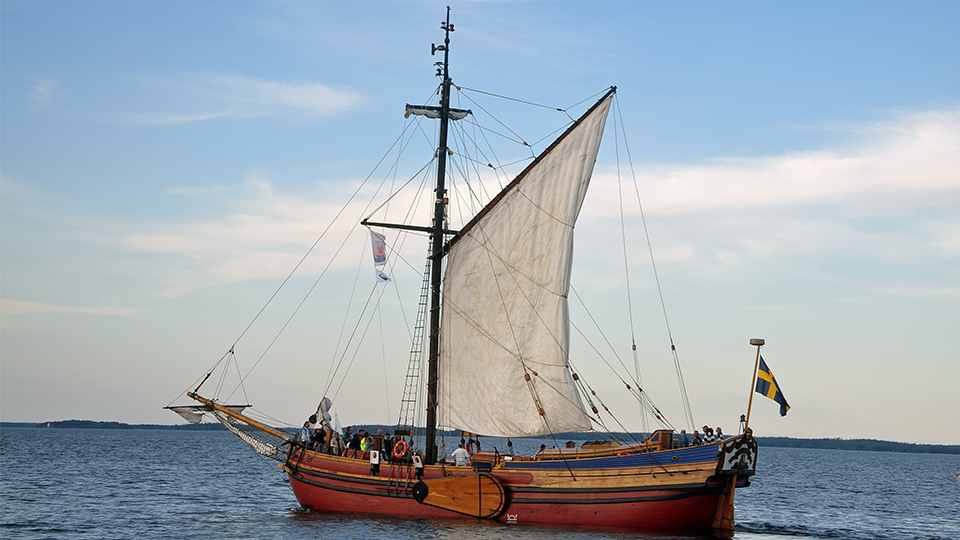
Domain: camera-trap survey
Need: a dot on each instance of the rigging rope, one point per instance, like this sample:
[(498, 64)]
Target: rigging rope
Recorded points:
[(329, 263), (300, 263), (626, 266), (401, 143), (512, 99), (676, 359)]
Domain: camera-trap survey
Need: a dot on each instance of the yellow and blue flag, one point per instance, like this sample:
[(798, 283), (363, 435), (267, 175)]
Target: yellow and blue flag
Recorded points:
[(767, 386)]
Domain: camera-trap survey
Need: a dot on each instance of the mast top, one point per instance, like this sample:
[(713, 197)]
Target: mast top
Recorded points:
[(446, 26), (757, 342)]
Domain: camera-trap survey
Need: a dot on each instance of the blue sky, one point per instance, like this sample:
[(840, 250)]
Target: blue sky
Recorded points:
[(164, 166)]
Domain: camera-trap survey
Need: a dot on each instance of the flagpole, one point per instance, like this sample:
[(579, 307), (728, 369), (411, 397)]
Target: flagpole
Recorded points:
[(723, 519), (758, 342)]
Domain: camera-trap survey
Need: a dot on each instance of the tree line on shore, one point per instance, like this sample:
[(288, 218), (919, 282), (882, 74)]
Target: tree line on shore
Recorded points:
[(870, 445)]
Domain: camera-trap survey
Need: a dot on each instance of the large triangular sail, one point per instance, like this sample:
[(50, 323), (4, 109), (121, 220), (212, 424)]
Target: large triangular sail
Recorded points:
[(504, 338)]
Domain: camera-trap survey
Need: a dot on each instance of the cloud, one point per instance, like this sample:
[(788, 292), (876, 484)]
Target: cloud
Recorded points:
[(221, 95), (919, 154), (45, 92), (17, 307), (890, 198), (263, 234), (158, 118)]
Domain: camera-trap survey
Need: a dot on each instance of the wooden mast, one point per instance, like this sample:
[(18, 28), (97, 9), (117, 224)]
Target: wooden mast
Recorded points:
[(436, 253)]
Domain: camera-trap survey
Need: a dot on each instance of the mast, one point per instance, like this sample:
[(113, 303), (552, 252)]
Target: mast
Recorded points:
[(436, 275)]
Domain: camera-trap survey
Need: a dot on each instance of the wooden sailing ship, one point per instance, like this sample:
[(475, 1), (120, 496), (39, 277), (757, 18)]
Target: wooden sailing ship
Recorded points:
[(498, 365)]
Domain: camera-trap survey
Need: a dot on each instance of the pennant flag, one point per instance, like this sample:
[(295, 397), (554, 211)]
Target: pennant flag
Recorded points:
[(767, 386), (379, 243)]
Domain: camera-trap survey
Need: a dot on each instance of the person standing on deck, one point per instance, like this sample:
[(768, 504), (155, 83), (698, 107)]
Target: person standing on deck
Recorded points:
[(460, 456), (306, 434), (355, 442), (366, 445), (336, 445)]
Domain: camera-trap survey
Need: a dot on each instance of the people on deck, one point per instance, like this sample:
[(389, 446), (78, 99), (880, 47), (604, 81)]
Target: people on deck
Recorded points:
[(348, 436), (387, 453), (366, 445), (684, 438), (355, 441), (460, 456), (719, 434), (306, 434), (708, 436), (336, 444), (697, 441)]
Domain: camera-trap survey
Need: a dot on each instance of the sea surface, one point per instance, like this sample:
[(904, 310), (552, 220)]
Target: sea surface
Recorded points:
[(154, 484)]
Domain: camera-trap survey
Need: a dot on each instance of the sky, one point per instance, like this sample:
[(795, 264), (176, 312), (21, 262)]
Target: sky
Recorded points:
[(164, 166)]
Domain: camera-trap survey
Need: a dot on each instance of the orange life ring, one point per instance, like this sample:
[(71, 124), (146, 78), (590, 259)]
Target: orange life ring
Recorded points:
[(400, 449), (470, 445)]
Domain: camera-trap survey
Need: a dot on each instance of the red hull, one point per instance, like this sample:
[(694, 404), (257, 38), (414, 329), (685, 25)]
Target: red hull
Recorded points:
[(638, 498), (663, 510)]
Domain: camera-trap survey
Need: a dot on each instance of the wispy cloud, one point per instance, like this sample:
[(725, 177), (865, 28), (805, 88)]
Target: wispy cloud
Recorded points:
[(880, 208), (888, 199), (160, 118), (45, 92), (264, 233), (205, 96), (919, 154), (17, 307)]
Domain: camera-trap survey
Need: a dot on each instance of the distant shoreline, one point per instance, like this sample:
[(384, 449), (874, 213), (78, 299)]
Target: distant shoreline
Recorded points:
[(870, 445)]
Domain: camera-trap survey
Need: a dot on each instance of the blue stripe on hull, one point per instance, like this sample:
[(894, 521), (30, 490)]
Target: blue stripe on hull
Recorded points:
[(678, 456)]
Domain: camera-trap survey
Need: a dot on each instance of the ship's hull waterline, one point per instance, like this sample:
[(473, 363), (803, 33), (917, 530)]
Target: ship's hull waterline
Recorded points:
[(676, 491)]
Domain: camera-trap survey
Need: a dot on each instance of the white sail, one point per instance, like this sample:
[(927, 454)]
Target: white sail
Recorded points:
[(504, 331)]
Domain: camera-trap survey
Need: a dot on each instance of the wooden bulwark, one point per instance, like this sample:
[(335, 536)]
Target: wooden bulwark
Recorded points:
[(478, 495)]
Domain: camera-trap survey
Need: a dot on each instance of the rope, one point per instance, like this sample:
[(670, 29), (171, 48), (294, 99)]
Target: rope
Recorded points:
[(676, 359), (300, 262), (511, 99), (626, 273)]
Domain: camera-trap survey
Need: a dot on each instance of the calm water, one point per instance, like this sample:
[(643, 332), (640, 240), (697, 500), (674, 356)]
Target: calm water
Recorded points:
[(145, 484)]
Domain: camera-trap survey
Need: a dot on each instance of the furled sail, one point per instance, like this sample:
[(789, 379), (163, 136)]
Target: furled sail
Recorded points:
[(504, 331), (431, 111), (194, 413)]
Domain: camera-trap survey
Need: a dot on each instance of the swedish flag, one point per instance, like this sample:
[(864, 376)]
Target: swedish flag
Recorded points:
[(767, 386)]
